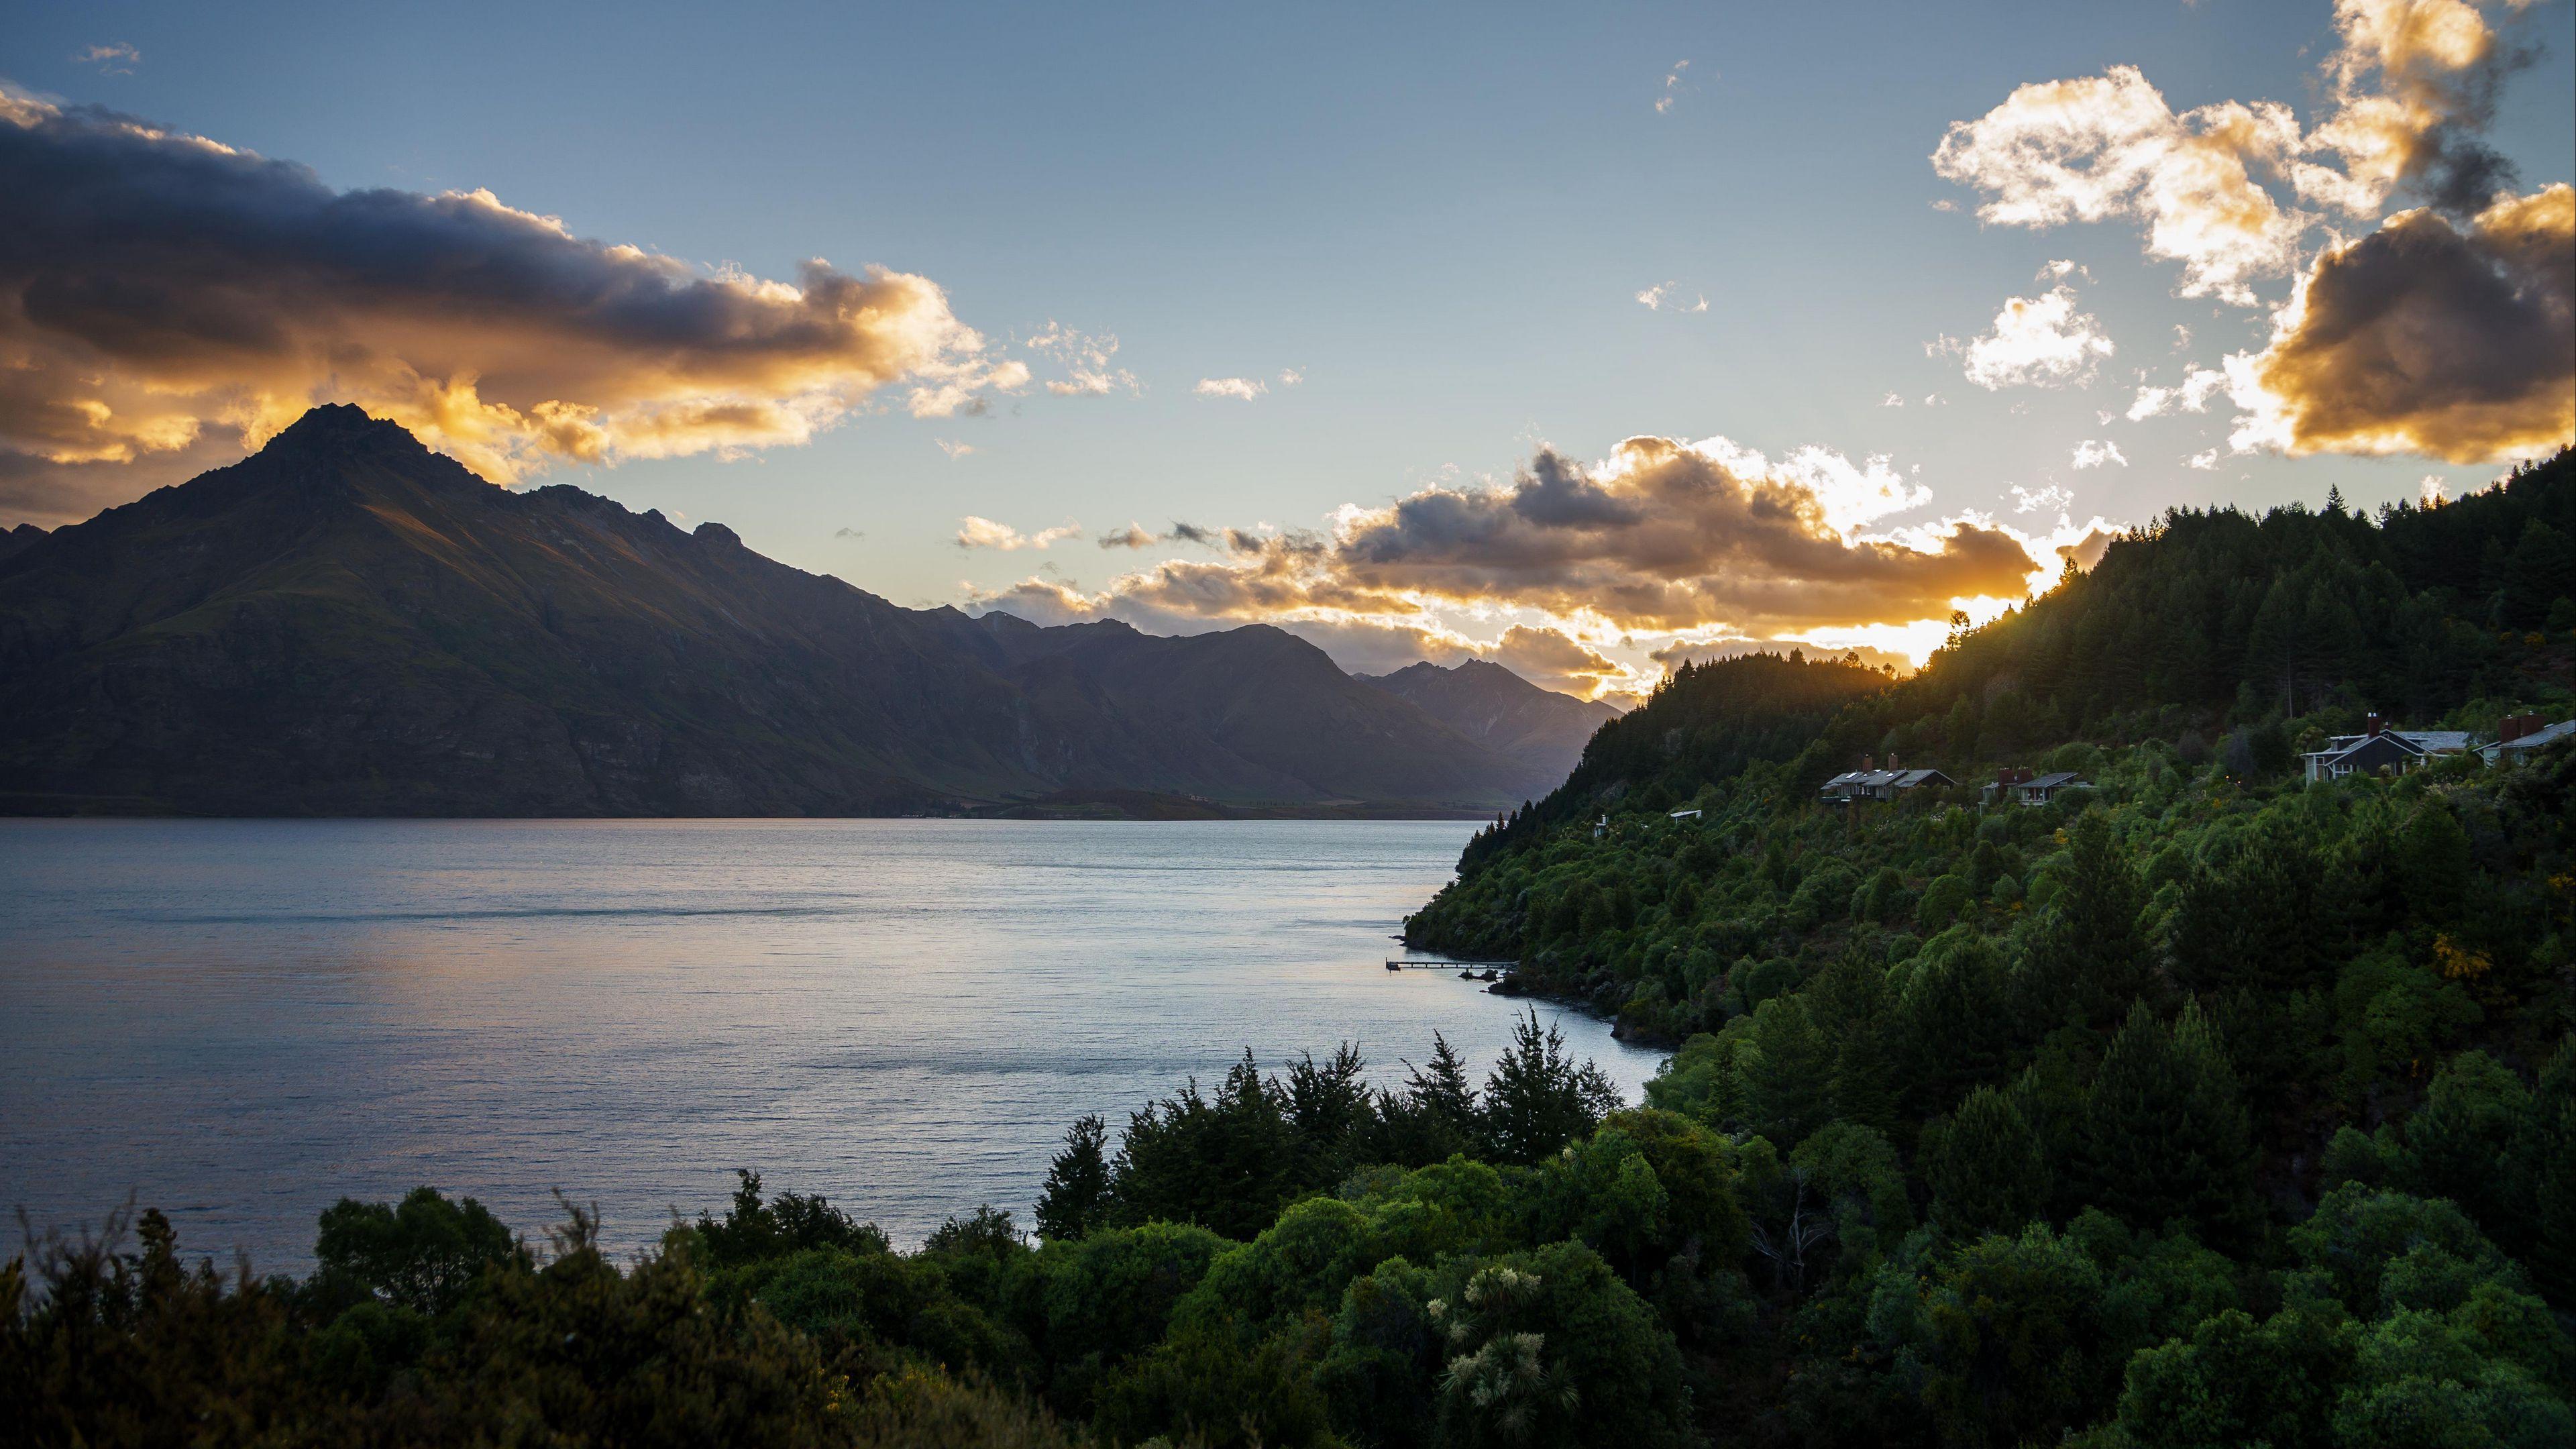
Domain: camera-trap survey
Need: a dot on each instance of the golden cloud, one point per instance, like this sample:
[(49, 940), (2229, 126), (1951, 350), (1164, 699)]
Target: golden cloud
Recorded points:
[(2409, 86), (2426, 338), (1665, 535), (156, 287)]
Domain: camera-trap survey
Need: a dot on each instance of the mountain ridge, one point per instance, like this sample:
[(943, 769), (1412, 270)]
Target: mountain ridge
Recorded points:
[(1497, 708), (348, 623)]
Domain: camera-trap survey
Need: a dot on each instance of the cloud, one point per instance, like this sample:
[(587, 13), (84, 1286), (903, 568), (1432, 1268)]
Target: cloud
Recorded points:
[(952, 448), (848, 533), (2092, 454), (1133, 535), (1672, 88), (985, 533), (1241, 389), (2192, 394), (2051, 499), (2424, 337), (2203, 461), (2412, 83), (2434, 490), (2107, 146), (1291, 376), (2407, 89), (1088, 360), (158, 287), (1663, 535), (1892, 400), (114, 59), (2037, 341), (1655, 298)]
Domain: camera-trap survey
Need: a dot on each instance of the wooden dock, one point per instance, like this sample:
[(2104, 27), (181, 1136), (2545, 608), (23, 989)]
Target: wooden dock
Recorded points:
[(1449, 965)]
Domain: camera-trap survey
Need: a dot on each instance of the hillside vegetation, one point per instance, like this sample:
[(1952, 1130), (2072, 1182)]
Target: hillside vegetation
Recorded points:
[(2204, 1108)]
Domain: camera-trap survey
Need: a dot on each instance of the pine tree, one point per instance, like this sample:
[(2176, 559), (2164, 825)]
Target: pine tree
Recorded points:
[(1537, 1099), (1076, 1197), (1985, 1168), (1955, 1023), (1788, 1072), (2089, 960), (2165, 1133), (1963, 731)]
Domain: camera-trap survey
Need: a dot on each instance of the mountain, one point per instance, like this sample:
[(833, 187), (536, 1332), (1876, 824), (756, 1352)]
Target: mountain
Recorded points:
[(15, 539), (1502, 711), (347, 623)]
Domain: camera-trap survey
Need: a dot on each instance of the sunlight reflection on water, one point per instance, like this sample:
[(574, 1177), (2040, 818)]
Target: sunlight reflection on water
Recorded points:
[(243, 1020)]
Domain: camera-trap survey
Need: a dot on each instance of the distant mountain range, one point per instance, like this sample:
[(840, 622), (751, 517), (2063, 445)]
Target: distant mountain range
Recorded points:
[(349, 624), (1502, 711)]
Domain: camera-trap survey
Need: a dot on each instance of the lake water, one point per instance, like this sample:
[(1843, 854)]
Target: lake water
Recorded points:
[(241, 1021)]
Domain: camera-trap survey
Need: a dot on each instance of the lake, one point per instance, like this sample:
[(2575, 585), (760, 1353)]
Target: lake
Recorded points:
[(241, 1021)]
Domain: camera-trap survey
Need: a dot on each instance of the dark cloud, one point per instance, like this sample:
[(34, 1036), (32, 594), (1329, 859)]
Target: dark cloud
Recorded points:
[(157, 287), (2426, 338), (1665, 535), (1668, 536)]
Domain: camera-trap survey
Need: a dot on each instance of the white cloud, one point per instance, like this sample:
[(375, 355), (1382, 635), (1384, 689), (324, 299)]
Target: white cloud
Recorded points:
[(1241, 389), (1892, 400), (2107, 146), (2192, 394), (2051, 499), (2091, 454), (2435, 490), (1087, 359), (1291, 376), (2037, 341), (985, 533), (1672, 88), (954, 449), (113, 59), (2406, 88), (2205, 461)]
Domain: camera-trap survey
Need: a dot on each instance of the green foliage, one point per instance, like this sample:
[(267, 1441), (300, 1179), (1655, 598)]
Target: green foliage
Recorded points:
[(420, 1254), (1987, 1168), (2165, 1136), (1077, 1197), (2243, 1110)]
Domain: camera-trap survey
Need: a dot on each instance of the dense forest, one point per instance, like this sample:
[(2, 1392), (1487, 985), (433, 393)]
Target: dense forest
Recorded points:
[(2203, 1106)]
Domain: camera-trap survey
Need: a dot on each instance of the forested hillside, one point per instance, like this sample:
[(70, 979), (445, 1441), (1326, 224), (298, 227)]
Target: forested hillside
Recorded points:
[(2199, 1107)]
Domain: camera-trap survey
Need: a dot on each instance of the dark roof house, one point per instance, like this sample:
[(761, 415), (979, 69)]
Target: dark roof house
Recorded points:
[(2381, 750)]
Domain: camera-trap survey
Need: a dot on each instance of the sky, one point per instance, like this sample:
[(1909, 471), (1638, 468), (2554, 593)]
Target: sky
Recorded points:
[(1582, 338)]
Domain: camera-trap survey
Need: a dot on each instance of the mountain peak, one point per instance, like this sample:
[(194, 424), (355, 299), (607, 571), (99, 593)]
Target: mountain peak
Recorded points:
[(335, 427)]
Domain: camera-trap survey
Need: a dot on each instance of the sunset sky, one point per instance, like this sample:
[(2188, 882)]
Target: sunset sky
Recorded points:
[(1579, 336)]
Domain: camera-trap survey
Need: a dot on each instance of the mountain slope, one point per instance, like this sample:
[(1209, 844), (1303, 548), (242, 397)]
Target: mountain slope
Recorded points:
[(347, 623), (1502, 711)]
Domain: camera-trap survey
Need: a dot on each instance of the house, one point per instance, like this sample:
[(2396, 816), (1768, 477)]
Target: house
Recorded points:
[(1685, 815), (1868, 784), (2519, 735), (2040, 789), (2379, 750), (2020, 782)]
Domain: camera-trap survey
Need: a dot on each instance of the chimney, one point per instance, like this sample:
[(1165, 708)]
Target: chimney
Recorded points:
[(1865, 765), (1892, 765), (2371, 725), (2515, 726)]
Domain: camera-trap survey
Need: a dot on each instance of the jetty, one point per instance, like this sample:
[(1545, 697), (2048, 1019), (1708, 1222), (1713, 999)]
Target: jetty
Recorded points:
[(1449, 965)]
